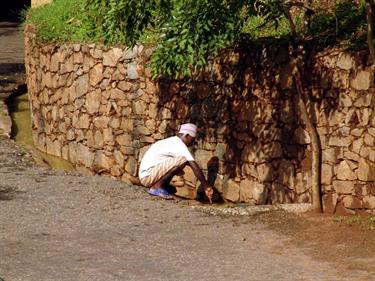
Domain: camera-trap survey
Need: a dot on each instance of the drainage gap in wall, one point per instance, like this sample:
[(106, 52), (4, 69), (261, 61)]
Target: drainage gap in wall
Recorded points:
[(19, 109)]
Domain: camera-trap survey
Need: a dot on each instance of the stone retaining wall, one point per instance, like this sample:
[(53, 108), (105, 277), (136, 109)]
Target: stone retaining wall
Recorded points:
[(99, 108)]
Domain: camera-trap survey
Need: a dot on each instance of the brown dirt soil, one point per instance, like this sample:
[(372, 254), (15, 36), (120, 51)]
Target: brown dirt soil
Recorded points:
[(345, 241), (66, 226)]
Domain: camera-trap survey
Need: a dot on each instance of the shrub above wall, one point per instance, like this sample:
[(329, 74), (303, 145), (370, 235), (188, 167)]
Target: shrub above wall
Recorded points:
[(99, 108)]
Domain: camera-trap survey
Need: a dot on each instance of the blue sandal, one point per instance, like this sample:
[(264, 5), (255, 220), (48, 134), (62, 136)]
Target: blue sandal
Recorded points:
[(160, 192)]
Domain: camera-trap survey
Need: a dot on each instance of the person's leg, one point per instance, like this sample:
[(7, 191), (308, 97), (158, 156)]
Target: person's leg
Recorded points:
[(162, 174), (166, 179)]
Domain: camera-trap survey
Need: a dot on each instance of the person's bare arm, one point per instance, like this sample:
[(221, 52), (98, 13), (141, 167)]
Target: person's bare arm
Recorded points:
[(199, 174)]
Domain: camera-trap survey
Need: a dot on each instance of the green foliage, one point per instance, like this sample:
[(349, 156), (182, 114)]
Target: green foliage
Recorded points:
[(256, 27), (198, 30), (64, 20), (344, 22), (125, 21)]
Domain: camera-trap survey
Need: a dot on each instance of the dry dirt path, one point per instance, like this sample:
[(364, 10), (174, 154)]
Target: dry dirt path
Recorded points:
[(11, 69), (57, 225)]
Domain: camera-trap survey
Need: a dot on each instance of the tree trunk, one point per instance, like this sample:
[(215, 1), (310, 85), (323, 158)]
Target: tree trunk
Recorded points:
[(369, 5), (302, 99), (315, 146)]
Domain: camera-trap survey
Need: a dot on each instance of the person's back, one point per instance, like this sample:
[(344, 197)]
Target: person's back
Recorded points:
[(161, 151), (166, 158)]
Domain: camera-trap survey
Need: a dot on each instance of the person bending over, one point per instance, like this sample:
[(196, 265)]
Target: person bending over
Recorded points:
[(166, 158)]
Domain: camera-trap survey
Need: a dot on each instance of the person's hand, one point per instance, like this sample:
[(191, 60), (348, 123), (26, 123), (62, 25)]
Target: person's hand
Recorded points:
[(209, 191)]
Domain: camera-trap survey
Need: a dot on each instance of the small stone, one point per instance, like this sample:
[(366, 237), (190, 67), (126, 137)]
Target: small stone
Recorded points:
[(345, 61), (96, 74), (131, 166), (81, 86), (101, 122), (93, 102), (84, 156), (139, 107), (83, 121), (132, 71), (112, 57), (119, 158), (124, 140), (125, 86)]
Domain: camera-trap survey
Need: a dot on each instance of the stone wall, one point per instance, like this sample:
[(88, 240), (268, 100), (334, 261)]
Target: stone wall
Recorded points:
[(99, 108)]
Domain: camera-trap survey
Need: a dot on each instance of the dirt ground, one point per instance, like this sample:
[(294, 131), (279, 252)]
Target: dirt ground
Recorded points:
[(340, 240), (58, 225)]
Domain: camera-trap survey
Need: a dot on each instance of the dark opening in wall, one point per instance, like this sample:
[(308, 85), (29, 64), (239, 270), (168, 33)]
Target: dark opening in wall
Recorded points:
[(10, 9)]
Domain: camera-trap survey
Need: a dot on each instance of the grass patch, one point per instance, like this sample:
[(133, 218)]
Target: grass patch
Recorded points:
[(367, 222), (64, 21)]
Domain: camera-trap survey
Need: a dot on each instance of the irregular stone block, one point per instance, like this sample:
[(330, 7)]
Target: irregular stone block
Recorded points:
[(327, 174), (125, 86), (343, 187), (132, 71), (340, 141), (344, 171), (231, 191), (366, 170), (102, 161), (101, 122), (81, 86), (351, 202), (342, 211), (362, 81), (369, 202), (112, 57), (280, 194), (84, 121), (96, 74), (131, 166), (252, 191), (124, 140), (84, 156), (139, 107), (329, 202), (332, 154), (345, 61)]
